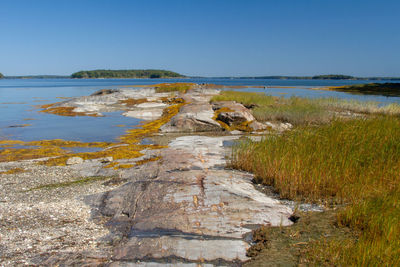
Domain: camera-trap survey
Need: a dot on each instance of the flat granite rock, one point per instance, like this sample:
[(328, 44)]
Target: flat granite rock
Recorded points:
[(187, 207), (145, 114)]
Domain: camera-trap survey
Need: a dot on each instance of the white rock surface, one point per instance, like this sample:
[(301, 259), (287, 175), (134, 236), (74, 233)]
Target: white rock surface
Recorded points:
[(74, 160)]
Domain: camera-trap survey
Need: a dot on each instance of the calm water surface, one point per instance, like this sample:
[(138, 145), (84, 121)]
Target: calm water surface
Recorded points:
[(19, 98)]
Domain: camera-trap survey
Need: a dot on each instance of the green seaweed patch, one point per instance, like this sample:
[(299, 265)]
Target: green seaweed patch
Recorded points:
[(83, 180)]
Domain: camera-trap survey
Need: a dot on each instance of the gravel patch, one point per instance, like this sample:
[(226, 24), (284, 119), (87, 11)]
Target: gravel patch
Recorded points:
[(36, 223)]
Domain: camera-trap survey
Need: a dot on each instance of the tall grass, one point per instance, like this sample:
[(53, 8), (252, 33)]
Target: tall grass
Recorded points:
[(303, 111), (246, 98), (356, 163), (295, 110)]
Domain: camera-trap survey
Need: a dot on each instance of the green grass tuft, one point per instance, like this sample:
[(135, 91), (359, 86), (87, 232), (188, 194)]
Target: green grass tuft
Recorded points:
[(80, 181)]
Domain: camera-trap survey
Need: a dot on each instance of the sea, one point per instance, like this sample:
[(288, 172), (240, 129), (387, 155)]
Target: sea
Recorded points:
[(20, 100)]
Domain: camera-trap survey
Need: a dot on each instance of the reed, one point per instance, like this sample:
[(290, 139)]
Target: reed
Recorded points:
[(353, 163), (304, 111)]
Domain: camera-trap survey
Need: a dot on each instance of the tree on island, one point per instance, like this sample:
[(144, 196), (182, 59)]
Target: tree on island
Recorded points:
[(333, 77), (1, 76), (126, 74)]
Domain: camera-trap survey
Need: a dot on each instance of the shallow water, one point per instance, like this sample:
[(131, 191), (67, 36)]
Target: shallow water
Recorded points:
[(308, 93), (19, 99)]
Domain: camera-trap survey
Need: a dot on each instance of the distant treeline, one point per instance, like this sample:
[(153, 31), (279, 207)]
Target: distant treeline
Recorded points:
[(38, 77), (126, 74), (1, 76), (385, 89), (316, 77)]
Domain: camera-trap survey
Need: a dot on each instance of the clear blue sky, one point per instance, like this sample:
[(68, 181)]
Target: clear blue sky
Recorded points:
[(202, 37)]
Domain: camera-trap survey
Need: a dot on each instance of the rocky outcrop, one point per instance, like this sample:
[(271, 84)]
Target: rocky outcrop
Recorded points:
[(182, 209), (236, 116), (194, 117)]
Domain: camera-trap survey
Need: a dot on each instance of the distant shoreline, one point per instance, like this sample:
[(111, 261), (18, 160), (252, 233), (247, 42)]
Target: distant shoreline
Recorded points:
[(322, 77), (211, 78)]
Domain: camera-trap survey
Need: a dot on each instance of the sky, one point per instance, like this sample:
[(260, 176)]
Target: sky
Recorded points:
[(201, 37)]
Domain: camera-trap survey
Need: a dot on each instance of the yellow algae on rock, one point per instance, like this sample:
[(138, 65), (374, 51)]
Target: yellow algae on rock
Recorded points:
[(143, 161), (132, 102), (65, 111), (13, 171), (13, 154), (172, 87), (128, 148)]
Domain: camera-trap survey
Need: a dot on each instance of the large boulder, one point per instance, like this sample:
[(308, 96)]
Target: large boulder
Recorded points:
[(235, 115), (195, 117)]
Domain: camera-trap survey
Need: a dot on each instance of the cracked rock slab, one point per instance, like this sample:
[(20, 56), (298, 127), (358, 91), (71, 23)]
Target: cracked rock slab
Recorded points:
[(188, 207)]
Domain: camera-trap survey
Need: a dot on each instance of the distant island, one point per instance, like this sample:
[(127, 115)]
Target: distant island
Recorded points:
[(316, 77), (152, 74), (38, 77), (155, 74), (385, 89)]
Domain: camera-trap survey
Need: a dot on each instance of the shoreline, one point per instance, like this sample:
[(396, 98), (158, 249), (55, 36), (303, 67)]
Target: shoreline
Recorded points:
[(197, 162)]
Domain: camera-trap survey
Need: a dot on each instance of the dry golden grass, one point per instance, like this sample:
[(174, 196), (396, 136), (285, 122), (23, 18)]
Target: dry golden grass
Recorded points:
[(353, 163), (173, 87)]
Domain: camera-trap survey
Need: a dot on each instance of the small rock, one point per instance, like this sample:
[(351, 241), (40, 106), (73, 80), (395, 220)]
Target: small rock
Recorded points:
[(257, 126), (74, 160), (107, 159), (105, 92)]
